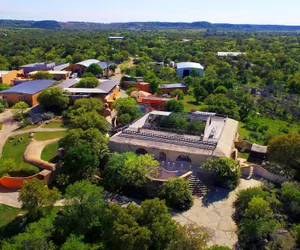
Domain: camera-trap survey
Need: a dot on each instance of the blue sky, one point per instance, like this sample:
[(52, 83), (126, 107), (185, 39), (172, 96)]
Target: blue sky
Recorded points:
[(224, 11)]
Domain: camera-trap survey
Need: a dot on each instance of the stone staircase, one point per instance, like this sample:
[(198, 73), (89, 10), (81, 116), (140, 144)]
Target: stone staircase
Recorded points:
[(197, 187)]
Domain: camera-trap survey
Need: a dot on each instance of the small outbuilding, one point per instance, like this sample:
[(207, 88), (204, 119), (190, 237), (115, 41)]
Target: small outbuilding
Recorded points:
[(185, 68), (168, 88)]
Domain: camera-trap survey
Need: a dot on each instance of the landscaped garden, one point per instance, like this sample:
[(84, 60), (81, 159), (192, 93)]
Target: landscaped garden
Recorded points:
[(44, 136), (12, 161), (55, 124), (50, 153)]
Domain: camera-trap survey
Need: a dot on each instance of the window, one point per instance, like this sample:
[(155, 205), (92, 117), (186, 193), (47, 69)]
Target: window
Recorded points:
[(22, 98)]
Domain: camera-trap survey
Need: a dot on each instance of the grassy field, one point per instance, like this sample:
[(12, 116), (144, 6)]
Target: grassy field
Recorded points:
[(50, 152), (28, 127), (14, 150), (54, 124), (7, 214), (275, 128), (189, 103), (44, 136)]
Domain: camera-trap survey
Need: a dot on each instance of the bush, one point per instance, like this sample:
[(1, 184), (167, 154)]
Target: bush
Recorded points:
[(227, 171), (124, 119), (1, 108), (48, 116), (174, 106), (25, 122), (176, 193), (128, 91), (88, 82), (1, 125), (177, 92)]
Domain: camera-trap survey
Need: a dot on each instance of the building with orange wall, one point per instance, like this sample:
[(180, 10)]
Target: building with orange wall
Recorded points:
[(8, 77), (27, 92)]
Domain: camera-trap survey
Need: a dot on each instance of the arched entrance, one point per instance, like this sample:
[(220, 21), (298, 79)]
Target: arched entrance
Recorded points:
[(184, 159), (162, 156), (141, 151)]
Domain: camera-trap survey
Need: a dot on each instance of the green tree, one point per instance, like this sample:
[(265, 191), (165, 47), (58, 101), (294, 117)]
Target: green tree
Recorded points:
[(195, 73), (85, 105), (199, 93), (189, 237), (74, 242), (95, 69), (174, 106), (1, 109), (122, 231), (80, 162), (20, 110), (285, 149), (124, 119), (177, 92), (53, 99), (113, 68), (34, 195), (290, 192), (221, 90), (90, 120), (88, 82), (176, 192), (127, 105), (4, 86), (129, 169), (220, 104), (92, 137), (227, 171), (36, 236), (84, 210), (42, 75)]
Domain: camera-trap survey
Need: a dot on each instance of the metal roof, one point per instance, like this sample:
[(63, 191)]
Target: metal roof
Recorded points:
[(104, 65), (189, 65), (172, 85), (107, 85), (88, 62), (230, 53), (68, 83), (85, 90), (29, 87)]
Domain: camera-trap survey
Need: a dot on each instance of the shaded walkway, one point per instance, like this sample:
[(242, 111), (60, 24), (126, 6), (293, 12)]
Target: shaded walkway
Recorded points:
[(214, 211)]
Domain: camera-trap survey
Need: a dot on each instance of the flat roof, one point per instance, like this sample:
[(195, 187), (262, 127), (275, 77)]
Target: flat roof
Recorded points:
[(68, 83), (189, 65), (85, 90), (4, 72), (230, 53), (172, 85), (107, 85), (88, 62), (52, 72), (29, 87)]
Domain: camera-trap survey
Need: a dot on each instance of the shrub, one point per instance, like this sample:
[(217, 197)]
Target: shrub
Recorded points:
[(1, 125), (174, 106), (177, 92), (1, 108), (128, 91), (124, 119), (48, 116), (88, 82), (227, 171), (176, 193)]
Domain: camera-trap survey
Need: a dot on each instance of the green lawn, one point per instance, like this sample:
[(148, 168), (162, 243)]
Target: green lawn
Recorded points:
[(189, 103), (28, 127), (14, 150), (50, 152), (7, 214), (54, 124), (275, 128), (44, 136)]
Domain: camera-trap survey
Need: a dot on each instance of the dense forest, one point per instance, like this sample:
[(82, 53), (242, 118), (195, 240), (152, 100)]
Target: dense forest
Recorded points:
[(49, 24), (260, 89)]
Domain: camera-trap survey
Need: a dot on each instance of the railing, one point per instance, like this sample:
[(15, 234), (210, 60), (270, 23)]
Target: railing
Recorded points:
[(173, 139)]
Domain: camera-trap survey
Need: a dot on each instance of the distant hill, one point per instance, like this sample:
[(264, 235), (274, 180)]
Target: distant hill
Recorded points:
[(49, 24)]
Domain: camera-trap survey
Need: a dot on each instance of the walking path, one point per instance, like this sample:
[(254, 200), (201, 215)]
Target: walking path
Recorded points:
[(214, 212)]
